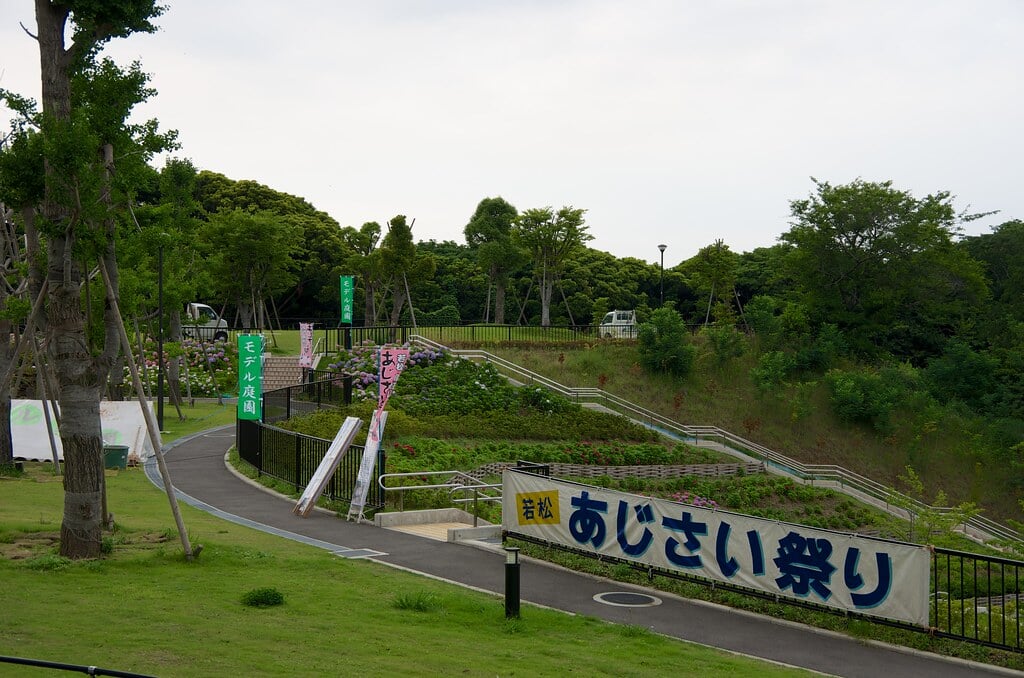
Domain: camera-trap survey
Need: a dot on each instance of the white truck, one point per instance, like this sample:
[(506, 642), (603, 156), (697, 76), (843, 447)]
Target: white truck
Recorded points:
[(618, 325), (202, 322)]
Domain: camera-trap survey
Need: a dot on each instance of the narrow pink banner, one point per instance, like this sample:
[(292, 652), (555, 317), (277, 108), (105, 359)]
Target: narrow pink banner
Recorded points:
[(391, 363), (305, 344)]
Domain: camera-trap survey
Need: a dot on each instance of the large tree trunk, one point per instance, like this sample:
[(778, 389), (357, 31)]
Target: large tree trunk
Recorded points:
[(546, 288), (80, 430), (397, 302), (499, 301), (8, 347), (81, 433)]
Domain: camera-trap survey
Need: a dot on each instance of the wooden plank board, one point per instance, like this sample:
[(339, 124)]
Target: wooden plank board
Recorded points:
[(339, 446)]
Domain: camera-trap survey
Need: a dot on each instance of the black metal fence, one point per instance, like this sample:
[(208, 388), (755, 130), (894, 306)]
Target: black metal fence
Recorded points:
[(294, 457), (324, 389), (977, 598), (456, 335)]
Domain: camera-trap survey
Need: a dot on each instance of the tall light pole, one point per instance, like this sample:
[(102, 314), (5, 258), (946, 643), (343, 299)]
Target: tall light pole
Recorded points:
[(661, 248)]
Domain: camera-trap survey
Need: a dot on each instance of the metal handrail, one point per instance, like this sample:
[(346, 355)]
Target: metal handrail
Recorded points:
[(473, 485), (849, 482), (419, 474)]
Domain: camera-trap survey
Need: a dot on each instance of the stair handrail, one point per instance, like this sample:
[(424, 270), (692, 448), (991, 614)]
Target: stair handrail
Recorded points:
[(895, 502), (468, 483)]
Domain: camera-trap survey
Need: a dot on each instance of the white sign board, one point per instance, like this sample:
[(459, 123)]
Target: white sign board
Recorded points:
[(339, 446), (859, 574)]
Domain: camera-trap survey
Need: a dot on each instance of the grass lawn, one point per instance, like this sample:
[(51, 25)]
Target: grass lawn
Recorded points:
[(143, 608), (204, 415)]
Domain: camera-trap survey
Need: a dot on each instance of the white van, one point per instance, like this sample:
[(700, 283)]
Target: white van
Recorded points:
[(618, 325), (202, 322)]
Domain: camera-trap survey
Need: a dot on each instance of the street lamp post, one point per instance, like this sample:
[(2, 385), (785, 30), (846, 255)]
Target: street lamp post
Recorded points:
[(511, 582), (661, 248)]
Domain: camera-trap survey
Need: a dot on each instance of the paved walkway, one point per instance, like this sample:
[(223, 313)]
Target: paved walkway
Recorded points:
[(202, 479)]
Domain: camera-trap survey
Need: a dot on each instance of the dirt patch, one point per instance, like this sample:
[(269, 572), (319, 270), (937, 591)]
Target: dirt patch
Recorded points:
[(33, 544), (29, 544)]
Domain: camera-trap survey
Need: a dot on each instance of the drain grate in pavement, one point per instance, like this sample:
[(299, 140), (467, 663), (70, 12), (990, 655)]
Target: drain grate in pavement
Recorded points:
[(627, 599), (358, 553)]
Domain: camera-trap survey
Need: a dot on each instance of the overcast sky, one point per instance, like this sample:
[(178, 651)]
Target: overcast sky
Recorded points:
[(675, 122)]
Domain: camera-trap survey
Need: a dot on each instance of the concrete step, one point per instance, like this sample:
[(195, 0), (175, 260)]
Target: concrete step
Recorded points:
[(281, 371), (450, 524)]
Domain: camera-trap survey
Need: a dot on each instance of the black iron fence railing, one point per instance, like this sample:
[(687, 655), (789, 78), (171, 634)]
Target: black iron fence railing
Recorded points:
[(461, 335), (294, 457), (323, 388), (977, 598), (974, 598)]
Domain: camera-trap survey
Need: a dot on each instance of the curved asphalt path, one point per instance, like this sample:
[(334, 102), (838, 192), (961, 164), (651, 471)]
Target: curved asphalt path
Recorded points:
[(202, 479)]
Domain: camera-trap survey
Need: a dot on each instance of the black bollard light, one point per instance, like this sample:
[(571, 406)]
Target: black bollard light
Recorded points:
[(511, 582)]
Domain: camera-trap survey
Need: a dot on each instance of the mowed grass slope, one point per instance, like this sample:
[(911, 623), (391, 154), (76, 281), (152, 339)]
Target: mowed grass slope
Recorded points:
[(795, 420)]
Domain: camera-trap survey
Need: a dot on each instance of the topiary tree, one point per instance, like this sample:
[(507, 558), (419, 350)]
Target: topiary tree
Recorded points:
[(664, 343)]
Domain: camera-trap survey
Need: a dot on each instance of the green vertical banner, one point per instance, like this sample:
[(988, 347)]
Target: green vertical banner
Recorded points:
[(347, 288), (250, 376)]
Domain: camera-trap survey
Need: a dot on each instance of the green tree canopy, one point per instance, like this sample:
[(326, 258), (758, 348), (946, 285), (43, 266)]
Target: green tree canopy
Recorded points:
[(882, 265), (489, 232), (1002, 252), (551, 239), (251, 258), (402, 265), (712, 274)]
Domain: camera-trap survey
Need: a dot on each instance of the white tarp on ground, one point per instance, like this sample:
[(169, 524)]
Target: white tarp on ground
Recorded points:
[(122, 422)]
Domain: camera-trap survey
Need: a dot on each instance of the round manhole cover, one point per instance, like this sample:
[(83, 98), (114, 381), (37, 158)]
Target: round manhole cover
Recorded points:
[(627, 599)]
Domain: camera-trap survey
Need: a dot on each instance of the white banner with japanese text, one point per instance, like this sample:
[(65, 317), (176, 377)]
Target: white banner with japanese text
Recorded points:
[(365, 474), (869, 576)]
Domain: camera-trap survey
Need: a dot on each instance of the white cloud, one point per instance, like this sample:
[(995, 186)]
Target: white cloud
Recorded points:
[(674, 122)]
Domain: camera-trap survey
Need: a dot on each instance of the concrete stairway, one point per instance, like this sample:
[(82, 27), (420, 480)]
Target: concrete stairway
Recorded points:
[(281, 371)]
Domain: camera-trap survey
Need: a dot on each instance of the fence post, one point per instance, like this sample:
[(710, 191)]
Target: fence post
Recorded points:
[(381, 461), (298, 464), (259, 444)]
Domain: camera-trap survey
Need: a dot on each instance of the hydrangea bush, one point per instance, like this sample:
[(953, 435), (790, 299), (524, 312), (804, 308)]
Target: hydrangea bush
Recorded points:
[(360, 363), (210, 367)]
